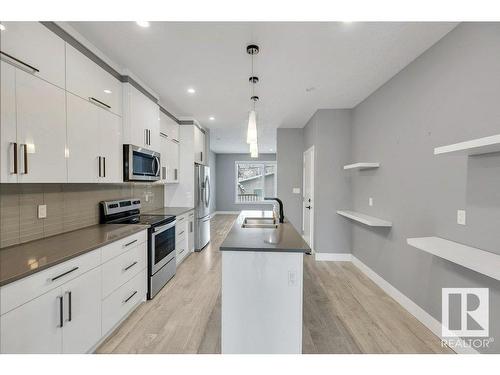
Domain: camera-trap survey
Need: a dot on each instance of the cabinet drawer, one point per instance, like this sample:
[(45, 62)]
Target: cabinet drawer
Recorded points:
[(121, 301), (121, 269), (118, 247), (180, 225), (88, 80), (38, 50), (15, 294)]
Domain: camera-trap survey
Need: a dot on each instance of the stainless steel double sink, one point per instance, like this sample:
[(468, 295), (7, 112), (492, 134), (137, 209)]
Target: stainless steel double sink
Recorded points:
[(259, 222)]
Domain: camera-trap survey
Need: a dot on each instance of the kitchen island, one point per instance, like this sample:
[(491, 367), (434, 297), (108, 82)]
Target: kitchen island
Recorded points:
[(262, 277)]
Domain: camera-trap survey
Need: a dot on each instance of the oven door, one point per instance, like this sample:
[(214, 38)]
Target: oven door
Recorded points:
[(162, 246), (141, 164)]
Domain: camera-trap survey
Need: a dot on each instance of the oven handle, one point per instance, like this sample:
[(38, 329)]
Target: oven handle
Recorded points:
[(163, 228)]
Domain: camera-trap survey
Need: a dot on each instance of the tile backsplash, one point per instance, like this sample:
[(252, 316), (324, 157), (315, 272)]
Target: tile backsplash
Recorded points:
[(69, 207)]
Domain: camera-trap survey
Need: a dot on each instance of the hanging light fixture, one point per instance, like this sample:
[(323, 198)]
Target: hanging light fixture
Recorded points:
[(252, 50)]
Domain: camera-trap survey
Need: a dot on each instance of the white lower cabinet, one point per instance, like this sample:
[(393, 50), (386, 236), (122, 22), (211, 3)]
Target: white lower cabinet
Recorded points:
[(74, 315), (82, 312), (34, 327), (181, 237), (116, 306)]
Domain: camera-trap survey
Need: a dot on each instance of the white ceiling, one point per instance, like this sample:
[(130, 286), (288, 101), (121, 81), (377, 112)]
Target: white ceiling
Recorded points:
[(343, 62)]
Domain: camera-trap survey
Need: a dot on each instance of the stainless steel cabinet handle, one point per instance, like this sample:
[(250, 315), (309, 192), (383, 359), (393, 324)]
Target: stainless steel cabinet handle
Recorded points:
[(25, 157), (180, 252), (164, 173), (201, 156), (130, 243), (190, 227), (146, 137), (175, 174), (99, 161), (70, 307), (14, 158), (64, 274), (130, 266), (181, 233), (61, 308), (99, 103), (104, 166), (130, 297), (19, 62)]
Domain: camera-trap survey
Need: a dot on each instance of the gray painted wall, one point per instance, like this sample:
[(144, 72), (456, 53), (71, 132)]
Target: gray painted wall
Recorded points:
[(449, 94), (225, 180), (289, 156), (329, 130)]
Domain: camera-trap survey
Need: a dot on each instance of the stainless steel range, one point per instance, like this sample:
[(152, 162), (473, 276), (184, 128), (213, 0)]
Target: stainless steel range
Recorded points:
[(161, 238)]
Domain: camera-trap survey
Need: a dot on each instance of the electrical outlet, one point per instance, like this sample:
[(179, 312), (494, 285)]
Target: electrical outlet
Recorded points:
[(42, 211), (461, 217), (292, 278), (370, 201), (296, 190)]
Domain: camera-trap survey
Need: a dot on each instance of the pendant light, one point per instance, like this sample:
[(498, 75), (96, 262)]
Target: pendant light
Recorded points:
[(252, 50)]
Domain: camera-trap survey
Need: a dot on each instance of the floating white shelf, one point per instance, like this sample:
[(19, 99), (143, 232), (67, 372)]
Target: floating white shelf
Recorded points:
[(365, 219), (475, 259), (362, 166), (478, 146)]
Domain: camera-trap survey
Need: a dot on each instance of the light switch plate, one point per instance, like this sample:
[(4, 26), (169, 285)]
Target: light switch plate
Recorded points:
[(461, 217), (42, 211), (370, 201), (296, 190)]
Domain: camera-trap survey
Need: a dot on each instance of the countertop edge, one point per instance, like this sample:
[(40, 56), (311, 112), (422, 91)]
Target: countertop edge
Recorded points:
[(12, 279)]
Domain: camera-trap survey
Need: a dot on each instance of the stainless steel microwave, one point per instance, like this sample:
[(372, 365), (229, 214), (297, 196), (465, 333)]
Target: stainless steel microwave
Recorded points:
[(140, 164)]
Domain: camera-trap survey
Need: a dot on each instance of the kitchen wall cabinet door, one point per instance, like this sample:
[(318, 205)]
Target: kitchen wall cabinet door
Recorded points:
[(33, 327), (169, 127), (41, 130), (83, 140), (141, 119), (111, 147), (200, 156), (8, 136), (172, 161), (40, 52), (91, 82), (82, 312)]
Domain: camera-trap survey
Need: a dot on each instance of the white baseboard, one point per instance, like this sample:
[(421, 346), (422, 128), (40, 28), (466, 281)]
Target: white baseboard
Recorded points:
[(420, 314), (226, 213), (333, 257), (425, 318)]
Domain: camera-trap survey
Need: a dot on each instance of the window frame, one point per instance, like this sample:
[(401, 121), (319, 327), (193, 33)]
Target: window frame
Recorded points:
[(263, 163)]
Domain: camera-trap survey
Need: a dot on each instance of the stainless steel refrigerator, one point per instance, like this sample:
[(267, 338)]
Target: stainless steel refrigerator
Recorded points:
[(201, 206)]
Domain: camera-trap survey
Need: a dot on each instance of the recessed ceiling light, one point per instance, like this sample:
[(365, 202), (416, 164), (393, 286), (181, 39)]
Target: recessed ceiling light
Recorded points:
[(142, 23), (191, 90), (211, 118), (108, 91), (2, 27)]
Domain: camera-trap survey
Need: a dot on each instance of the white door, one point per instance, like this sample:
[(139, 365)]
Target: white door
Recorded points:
[(308, 197), (110, 140), (82, 312), (41, 130), (34, 327), (8, 168), (83, 147), (172, 161), (35, 49)]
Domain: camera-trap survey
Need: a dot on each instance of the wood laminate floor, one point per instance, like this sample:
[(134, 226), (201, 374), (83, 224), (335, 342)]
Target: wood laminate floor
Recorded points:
[(344, 311)]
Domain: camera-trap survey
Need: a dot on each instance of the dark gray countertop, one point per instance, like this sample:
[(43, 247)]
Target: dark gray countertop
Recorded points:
[(22, 260), (282, 239), (175, 211)]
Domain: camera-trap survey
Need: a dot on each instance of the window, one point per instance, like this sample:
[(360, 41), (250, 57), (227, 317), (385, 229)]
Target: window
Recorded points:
[(254, 181)]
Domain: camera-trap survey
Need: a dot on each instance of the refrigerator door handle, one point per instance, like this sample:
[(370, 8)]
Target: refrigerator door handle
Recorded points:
[(207, 188)]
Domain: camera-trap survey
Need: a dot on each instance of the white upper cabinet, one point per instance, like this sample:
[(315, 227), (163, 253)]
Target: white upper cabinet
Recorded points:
[(141, 119), (32, 47), (200, 154), (94, 143), (169, 127), (91, 82), (169, 160), (41, 130), (8, 136)]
